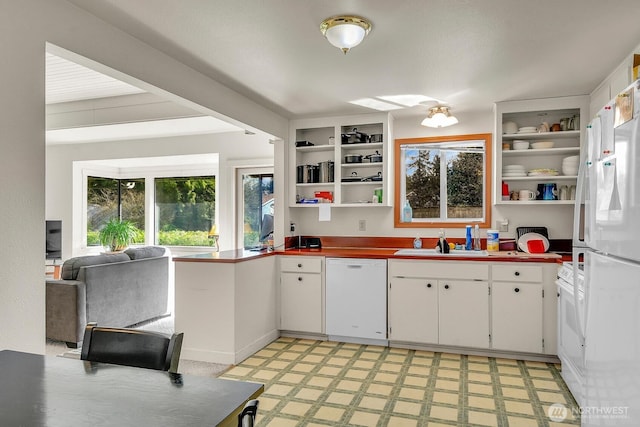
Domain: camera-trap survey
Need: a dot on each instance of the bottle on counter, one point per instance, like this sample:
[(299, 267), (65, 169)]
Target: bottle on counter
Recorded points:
[(417, 243), (407, 212), (442, 246), (468, 244), (476, 238)]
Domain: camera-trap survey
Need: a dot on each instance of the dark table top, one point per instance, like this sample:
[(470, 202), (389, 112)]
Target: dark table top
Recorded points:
[(38, 390)]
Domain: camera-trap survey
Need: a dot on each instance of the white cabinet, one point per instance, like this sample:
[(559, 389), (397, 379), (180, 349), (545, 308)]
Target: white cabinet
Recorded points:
[(413, 309), (566, 143), (301, 294), (464, 313), (349, 171)]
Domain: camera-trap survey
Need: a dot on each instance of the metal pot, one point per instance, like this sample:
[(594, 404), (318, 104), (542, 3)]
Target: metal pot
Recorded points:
[(375, 137), (307, 174), (354, 137), (374, 158), (326, 171), (353, 158)]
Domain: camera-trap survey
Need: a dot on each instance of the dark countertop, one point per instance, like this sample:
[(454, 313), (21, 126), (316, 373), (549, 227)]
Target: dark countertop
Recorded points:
[(235, 256)]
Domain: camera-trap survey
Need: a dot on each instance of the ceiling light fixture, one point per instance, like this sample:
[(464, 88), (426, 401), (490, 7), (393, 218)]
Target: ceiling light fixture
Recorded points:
[(439, 117), (345, 32)]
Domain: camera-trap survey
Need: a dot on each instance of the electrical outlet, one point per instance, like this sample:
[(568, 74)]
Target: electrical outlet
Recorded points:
[(502, 225), (362, 225), (292, 227)]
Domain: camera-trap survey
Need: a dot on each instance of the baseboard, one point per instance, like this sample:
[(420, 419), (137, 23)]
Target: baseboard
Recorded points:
[(256, 345), (223, 357)]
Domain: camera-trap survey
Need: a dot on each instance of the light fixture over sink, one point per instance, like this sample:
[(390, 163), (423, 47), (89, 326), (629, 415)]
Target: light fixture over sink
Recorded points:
[(438, 117), (345, 32)]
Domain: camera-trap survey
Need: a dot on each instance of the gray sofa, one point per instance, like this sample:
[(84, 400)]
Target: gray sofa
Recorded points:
[(117, 290)]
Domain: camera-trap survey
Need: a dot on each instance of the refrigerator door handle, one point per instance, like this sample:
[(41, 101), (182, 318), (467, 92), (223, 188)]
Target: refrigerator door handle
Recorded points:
[(580, 315), (578, 218)]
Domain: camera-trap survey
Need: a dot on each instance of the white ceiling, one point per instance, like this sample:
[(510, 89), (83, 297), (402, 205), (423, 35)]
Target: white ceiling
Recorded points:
[(468, 53)]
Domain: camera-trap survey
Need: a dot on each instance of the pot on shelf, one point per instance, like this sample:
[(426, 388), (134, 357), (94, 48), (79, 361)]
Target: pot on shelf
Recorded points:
[(374, 158), (353, 158), (354, 137)]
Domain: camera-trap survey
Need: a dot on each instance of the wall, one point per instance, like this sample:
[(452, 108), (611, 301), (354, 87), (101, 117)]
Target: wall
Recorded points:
[(379, 220), (26, 26)]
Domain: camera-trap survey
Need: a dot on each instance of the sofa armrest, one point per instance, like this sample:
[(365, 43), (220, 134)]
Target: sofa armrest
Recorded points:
[(66, 310)]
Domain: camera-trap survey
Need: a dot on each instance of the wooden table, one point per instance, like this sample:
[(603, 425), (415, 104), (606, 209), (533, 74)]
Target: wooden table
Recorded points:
[(38, 390)]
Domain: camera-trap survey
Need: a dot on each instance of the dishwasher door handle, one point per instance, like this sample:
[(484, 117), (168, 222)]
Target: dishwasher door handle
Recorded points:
[(354, 266)]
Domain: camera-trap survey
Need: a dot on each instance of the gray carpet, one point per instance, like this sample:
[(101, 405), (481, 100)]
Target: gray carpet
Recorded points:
[(164, 325)]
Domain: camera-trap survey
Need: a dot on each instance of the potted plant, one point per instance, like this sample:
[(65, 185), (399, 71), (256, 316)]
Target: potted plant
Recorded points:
[(117, 234)]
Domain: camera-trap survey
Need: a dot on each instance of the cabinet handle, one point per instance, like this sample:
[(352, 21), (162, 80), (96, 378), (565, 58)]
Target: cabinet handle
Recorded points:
[(517, 289), (446, 286), (428, 285), (299, 279), (299, 265), (517, 273)]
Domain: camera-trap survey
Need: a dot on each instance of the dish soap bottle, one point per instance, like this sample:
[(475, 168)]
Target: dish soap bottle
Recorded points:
[(407, 212), (417, 243), (476, 238), (442, 246), (468, 243)]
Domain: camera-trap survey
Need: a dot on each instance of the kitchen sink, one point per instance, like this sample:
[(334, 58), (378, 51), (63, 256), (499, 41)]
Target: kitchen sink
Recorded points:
[(434, 252)]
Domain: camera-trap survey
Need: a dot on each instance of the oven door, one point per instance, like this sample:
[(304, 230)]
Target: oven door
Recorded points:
[(570, 349)]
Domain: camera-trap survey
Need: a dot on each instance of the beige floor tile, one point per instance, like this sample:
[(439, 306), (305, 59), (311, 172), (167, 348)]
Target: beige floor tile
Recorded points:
[(312, 394), (329, 370), (300, 348), (519, 407), (375, 348), (339, 398), (512, 362), (370, 402), (265, 352), (448, 373), (484, 367), (390, 367), (267, 403), (396, 358), (337, 361), (446, 363), (319, 381), (332, 344), (255, 361), (380, 389), (349, 385), (302, 367), (240, 371), (412, 393), (437, 424), (509, 370), (423, 353), (264, 374), (328, 413), (409, 408), (356, 373), (482, 403), (282, 422), (423, 361), (544, 384), (370, 355), (522, 422), (416, 381), (512, 381), (546, 396), (345, 353), (534, 364), (364, 364), (352, 345), (479, 377), (482, 418), (540, 373), (443, 397), (313, 358), (451, 356), (515, 393), (278, 390), (481, 389), (292, 378), (402, 422), (364, 419), (277, 345), (419, 370), (289, 355), (321, 350), (443, 413), (477, 359), (296, 408), (447, 384), (386, 377)]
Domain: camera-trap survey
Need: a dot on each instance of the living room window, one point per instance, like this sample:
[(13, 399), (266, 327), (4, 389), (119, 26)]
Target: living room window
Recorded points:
[(185, 210), (257, 206), (109, 198)]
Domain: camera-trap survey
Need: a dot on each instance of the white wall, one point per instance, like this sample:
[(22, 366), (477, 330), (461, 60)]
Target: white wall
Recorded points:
[(379, 220), (26, 26)]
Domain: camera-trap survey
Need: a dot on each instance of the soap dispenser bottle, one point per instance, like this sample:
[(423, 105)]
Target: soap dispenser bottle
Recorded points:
[(442, 246), (417, 243), (407, 212), (468, 243)]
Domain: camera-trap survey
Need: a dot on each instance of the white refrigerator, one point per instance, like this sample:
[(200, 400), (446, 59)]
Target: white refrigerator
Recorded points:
[(607, 236)]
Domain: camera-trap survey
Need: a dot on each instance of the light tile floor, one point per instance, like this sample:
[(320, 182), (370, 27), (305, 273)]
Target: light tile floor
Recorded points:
[(323, 383)]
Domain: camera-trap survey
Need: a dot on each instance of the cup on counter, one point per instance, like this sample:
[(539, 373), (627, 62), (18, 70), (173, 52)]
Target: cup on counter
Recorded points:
[(525, 195)]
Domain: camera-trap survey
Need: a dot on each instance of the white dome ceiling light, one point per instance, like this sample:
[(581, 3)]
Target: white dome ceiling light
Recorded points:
[(439, 117), (345, 32)]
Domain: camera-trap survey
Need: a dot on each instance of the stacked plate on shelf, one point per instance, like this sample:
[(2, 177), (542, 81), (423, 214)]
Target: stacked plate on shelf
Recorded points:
[(570, 165), (543, 172), (528, 129), (513, 171)]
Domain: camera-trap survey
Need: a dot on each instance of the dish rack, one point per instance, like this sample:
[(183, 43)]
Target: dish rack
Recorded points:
[(524, 230)]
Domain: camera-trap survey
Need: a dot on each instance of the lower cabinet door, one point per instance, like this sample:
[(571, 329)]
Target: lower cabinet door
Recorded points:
[(413, 310), (464, 313), (516, 316), (301, 302)]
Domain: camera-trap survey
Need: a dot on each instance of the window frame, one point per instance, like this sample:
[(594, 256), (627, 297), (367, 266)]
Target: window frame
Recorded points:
[(400, 179)]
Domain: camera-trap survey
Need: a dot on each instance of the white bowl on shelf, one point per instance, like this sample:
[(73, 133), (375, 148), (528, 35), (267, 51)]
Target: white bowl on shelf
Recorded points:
[(542, 145), (569, 170), (509, 127), (519, 144)]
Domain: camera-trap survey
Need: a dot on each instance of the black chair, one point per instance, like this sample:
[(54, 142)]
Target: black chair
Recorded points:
[(132, 347), (247, 417)]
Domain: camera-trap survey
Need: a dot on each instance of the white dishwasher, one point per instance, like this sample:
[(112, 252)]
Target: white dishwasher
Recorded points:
[(356, 300)]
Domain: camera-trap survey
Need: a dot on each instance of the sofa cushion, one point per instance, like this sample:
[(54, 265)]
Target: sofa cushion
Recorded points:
[(71, 267), (145, 252)]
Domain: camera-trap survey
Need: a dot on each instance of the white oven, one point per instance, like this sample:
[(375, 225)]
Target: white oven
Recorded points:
[(570, 347)]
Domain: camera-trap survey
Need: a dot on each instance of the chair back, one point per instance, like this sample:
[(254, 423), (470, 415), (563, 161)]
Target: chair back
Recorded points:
[(247, 417), (131, 347)]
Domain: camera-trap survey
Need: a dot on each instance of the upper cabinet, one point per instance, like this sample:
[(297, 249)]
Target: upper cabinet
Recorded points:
[(538, 145), (345, 161)]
